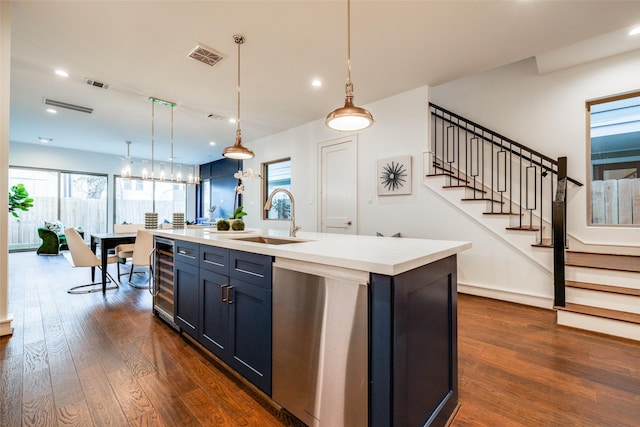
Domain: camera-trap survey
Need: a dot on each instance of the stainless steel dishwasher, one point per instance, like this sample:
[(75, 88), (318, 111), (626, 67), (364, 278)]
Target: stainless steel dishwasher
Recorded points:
[(320, 368)]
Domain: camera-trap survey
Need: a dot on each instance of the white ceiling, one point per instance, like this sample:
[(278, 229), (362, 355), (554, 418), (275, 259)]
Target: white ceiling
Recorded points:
[(140, 49)]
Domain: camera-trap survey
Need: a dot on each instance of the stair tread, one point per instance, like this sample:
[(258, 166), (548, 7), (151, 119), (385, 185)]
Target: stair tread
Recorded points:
[(603, 288), (601, 312), (630, 263), (448, 175), (546, 243), (484, 199), (470, 187), (501, 213), (525, 228)]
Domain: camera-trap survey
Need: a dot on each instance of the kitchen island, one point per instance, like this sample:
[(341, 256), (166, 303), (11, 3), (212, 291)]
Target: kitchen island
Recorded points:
[(362, 330)]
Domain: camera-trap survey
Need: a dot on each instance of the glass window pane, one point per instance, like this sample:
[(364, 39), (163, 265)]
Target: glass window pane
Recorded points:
[(206, 197), (278, 175), (169, 198), (133, 198), (614, 159), (42, 186), (83, 202)]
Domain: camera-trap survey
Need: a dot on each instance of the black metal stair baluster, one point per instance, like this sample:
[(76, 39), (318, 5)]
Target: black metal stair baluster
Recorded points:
[(541, 196), (435, 140), (520, 189), (510, 178), (501, 174), (552, 178)]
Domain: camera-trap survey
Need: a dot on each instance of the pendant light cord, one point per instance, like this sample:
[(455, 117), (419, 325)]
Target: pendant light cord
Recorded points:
[(153, 127), (349, 85), (239, 40), (172, 177)]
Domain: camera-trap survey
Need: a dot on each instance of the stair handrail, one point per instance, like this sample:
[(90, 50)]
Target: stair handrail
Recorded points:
[(503, 138)]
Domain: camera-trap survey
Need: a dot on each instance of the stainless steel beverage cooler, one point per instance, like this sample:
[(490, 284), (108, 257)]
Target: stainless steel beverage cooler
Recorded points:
[(161, 284)]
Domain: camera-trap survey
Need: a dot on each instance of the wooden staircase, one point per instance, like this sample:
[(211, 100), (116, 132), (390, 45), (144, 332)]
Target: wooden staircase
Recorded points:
[(593, 288), (606, 299), (593, 303)]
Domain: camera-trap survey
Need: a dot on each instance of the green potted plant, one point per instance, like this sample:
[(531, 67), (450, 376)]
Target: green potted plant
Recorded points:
[(236, 222), (19, 200), (222, 225)]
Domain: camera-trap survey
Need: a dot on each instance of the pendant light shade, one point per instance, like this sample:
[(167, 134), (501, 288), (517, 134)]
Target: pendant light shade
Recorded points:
[(349, 117), (238, 151)]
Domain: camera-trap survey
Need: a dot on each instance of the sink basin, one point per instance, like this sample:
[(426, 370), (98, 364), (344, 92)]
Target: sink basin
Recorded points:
[(268, 240)]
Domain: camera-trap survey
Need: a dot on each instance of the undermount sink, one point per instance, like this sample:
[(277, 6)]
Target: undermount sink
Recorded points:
[(268, 240)]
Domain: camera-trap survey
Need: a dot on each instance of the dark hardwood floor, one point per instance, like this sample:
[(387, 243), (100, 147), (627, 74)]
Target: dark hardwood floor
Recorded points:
[(94, 360)]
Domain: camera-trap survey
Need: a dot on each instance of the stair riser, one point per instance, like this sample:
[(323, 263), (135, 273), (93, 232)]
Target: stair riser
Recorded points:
[(628, 303), (603, 277), (597, 324), (608, 262)]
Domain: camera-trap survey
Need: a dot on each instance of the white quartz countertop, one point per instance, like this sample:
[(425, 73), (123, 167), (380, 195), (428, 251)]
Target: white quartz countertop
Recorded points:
[(382, 255)]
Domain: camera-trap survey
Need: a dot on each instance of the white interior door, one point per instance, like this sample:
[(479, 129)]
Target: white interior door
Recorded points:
[(339, 186)]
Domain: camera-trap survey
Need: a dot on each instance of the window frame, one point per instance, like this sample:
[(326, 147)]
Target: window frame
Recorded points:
[(588, 157), (264, 168)]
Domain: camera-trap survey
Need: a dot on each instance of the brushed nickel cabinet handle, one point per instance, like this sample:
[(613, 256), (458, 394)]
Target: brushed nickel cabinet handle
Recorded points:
[(229, 301), (222, 296)]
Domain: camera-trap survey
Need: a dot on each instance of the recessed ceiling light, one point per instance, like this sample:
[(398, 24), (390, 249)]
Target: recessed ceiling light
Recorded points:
[(61, 73), (51, 111), (634, 31), (232, 120), (316, 83), (212, 143), (45, 140)]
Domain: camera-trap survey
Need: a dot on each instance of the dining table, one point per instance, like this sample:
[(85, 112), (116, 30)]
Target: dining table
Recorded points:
[(107, 241)]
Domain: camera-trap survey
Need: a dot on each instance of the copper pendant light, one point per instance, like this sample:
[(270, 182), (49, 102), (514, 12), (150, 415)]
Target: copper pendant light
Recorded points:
[(349, 117), (238, 151)]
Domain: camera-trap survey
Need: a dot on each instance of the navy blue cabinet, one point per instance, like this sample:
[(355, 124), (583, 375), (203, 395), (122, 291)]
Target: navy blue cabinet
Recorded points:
[(223, 300), (249, 348), (236, 311)]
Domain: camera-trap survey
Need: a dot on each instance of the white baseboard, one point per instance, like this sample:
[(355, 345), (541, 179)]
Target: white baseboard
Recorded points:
[(502, 295), (5, 326)]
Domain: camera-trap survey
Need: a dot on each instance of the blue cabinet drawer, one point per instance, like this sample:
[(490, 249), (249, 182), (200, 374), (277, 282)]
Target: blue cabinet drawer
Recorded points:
[(187, 252), (214, 259), (251, 268)]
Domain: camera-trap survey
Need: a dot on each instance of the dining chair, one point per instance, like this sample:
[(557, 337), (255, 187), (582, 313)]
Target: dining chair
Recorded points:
[(80, 255), (125, 251), (141, 252)]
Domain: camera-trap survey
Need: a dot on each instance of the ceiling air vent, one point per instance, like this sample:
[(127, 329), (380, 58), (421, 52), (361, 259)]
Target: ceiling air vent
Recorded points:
[(66, 105), (206, 55), (96, 83), (215, 116)]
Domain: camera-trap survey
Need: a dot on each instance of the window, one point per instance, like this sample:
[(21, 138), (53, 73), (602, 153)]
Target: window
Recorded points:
[(614, 159), (135, 197), (83, 201), (206, 198), (75, 199), (277, 174)]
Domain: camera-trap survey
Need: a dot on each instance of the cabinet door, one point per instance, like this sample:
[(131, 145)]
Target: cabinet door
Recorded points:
[(215, 312), (250, 324), (186, 296)]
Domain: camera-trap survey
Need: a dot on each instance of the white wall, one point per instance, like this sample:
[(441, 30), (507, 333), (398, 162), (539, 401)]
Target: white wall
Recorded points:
[(5, 85), (490, 267), (48, 157), (547, 112)]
